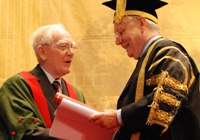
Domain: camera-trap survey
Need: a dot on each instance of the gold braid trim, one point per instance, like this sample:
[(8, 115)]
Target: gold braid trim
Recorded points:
[(169, 81), (169, 99), (156, 115), (159, 117), (140, 83)]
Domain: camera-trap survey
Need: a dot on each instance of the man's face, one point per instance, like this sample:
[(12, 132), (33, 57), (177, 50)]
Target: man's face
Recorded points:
[(58, 56), (129, 36)]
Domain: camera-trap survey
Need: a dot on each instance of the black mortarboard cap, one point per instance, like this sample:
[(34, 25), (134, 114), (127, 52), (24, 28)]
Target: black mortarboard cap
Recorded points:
[(144, 8)]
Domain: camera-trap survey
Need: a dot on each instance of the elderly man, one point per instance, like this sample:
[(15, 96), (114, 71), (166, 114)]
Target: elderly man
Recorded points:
[(161, 99), (26, 99)]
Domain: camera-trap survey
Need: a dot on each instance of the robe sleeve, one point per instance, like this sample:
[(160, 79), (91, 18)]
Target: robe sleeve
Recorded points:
[(19, 114)]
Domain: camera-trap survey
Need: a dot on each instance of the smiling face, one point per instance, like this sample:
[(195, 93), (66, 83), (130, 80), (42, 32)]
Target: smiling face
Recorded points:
[(130, 35), (55, 59)]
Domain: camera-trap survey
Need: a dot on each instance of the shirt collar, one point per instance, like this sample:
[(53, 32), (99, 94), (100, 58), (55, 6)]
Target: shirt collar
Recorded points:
[(148, 43), (50, 77)]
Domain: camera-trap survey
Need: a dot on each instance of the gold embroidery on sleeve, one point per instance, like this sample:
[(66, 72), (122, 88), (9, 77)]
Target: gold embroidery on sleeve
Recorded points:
[(156, 115), (170, 81)]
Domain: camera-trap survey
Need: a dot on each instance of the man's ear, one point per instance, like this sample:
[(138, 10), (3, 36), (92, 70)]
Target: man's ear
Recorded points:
[(143, 23), (42, 52)]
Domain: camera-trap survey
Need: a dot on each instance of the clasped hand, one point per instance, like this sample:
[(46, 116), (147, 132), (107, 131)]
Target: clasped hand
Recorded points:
[(106, 119)]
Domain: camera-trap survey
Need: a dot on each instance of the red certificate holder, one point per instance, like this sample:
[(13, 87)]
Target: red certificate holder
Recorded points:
[(71, 121)]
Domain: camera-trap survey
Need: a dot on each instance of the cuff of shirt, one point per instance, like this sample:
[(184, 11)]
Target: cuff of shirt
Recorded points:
[(119, 117)]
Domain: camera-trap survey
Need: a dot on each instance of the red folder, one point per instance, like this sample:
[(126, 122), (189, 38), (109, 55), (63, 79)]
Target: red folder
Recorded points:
[(71, 121)]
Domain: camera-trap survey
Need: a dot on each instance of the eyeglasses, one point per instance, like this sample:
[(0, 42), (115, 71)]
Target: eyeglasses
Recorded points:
[(64, 46)]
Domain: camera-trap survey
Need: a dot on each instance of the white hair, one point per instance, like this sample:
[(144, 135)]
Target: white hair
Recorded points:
[(46, 35), (152, 25)]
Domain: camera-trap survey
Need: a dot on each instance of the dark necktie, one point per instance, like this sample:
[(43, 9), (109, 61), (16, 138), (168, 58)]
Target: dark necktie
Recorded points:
[(56, 86)]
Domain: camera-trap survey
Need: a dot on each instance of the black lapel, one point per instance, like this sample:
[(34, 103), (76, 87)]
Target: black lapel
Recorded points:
[(47, 88), (64, 88)]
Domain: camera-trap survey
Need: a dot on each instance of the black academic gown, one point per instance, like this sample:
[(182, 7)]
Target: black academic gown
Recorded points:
[(171, 57)]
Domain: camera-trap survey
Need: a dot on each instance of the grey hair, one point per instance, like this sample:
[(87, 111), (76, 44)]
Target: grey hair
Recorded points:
[(152, 25), (46, 35)]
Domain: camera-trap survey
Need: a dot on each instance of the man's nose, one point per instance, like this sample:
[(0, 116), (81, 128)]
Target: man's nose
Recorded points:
[(118, 40)]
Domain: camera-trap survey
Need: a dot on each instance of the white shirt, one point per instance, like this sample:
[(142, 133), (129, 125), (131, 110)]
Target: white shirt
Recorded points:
[(51, 79)]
